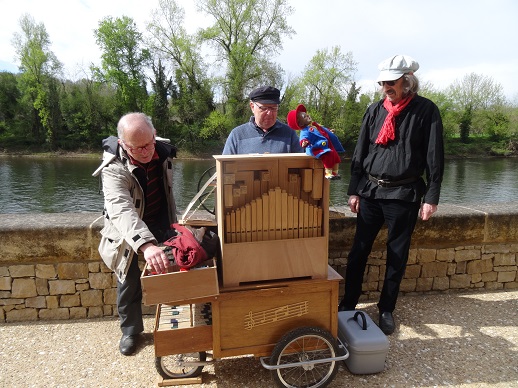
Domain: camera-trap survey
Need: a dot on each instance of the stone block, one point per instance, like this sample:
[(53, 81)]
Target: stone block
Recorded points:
[(461, 267), (412, 271), (412, 256), (447, 255), (433, 270), (489, 277), (451, 269), (91, 298), (20, 271), (100, 281), (107, 311), (38, 302), (505, 259), (77, 312), (426, 255), (5, 283), (13, 302), (110, 296), (60, 287), (504, 277), (467, 255), (82, 286), (494, 286), (52, 302), (46, 271), (479, 266), (460, 281), (72, 271), (441, 283), (476, 278), (50, 314), (511, 286), (498, 248), (424, 284), (95, 312), (94, 266), (23, 288), (70, 301), (408, 285), (21, 315), (42, 286)]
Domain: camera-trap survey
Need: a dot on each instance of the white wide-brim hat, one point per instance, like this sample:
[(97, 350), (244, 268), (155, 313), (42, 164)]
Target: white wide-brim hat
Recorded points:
[(396, 66)]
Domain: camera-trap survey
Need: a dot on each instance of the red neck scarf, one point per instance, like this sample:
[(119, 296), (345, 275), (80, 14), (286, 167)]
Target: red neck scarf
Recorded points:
[(388, 129)]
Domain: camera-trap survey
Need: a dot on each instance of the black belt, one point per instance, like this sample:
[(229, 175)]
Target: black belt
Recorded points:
[(386, 183)]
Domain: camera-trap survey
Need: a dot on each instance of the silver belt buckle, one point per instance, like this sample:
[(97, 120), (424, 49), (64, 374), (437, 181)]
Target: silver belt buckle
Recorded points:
[(382, 183)]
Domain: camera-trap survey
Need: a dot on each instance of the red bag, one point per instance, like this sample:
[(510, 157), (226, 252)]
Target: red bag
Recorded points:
[(186, 249)]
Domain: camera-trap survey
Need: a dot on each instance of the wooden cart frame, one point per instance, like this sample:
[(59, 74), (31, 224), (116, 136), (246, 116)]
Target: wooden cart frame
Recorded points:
[(271, 293)]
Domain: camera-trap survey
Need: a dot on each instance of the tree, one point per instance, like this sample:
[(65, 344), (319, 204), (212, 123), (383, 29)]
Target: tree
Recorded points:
[(123, 61), (38, 67), (161, 86), (471, 95), (246, 34), (192, 97), (9, 95), (325, 85)]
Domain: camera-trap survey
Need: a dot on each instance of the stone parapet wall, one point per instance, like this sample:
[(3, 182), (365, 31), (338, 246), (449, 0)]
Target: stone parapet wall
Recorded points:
[(459, 248), (50, 267)]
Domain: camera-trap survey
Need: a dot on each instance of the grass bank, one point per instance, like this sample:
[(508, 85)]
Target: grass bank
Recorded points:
[(476, 147)]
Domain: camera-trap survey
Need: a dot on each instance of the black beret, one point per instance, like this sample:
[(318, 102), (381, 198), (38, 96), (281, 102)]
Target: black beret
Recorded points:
[(266, 95)]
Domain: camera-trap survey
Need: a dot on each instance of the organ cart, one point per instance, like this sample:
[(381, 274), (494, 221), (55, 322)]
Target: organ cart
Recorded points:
[(270, 292)]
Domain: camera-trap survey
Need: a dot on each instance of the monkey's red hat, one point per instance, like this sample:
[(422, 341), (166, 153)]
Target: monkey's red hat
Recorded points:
[(292, 117)]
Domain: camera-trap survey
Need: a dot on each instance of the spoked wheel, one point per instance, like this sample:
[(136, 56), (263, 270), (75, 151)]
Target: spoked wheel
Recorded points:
[(207, 174), (172, 367), (305, 344)]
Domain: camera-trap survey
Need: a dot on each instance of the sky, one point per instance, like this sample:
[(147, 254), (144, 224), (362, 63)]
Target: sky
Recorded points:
[(449, 38)]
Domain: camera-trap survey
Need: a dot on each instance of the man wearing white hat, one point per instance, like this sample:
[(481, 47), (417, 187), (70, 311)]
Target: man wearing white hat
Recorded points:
[(400, 141)]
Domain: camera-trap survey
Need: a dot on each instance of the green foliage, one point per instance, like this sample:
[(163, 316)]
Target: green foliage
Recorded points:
[(123, 61), (216, 126), (245, 33), (41, 110)]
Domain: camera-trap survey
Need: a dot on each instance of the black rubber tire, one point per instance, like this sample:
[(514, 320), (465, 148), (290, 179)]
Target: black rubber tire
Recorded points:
[(168, 366), (295, 346)]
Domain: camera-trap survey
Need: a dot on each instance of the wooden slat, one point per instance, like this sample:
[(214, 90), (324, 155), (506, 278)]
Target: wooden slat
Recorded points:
[(284, 214)]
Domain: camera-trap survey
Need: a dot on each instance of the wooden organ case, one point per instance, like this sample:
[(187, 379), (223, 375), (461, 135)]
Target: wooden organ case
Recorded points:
[(272, 212)]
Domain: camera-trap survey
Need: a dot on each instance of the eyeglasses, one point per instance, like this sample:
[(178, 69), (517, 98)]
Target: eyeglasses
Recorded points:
[(139, 150), (265, 109), (389, 83)]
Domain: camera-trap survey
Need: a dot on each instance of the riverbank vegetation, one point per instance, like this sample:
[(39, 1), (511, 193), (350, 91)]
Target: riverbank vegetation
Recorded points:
[(195, 87)]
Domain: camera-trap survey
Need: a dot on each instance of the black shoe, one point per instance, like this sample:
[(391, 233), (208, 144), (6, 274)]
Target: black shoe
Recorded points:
[(387, 324), (128, 344)]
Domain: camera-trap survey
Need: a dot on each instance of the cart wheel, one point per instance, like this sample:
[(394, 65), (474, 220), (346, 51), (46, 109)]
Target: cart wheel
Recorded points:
[(203, 179), (171, 367), (305, 344)]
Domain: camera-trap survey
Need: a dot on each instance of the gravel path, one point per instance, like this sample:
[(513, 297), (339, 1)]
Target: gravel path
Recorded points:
[(442, 340)]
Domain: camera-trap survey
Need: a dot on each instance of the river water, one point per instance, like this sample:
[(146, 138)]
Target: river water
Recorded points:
[(56, 185)]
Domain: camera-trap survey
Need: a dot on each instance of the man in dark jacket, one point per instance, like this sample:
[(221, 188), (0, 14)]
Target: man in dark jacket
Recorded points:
[(400, 140), (139, 209)]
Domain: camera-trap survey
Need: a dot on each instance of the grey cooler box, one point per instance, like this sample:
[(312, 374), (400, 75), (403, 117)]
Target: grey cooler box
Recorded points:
[(366, 343)]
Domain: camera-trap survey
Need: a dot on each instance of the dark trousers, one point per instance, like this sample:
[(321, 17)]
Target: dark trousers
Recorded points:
[(401, 218), (129, 301)]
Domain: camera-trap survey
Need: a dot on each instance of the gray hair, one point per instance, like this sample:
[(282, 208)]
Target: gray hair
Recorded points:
[(129, 118), (410, 85)]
